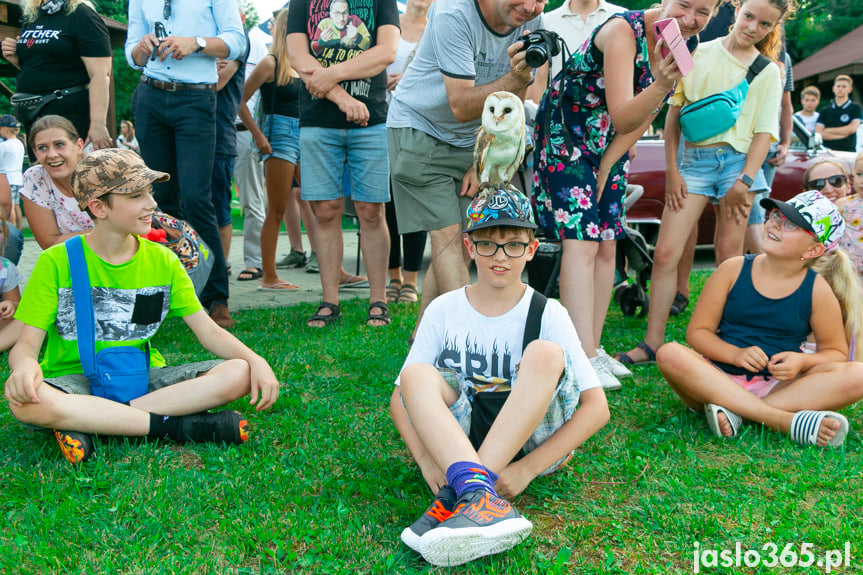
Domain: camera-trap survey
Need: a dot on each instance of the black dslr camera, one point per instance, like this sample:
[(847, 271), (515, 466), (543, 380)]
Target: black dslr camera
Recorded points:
[(539, 46)]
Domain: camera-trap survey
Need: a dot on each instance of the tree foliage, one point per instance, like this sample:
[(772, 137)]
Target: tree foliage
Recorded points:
[(820, 22)]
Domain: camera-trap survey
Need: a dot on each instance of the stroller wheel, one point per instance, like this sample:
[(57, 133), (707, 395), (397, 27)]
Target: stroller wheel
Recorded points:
[(629, 300)]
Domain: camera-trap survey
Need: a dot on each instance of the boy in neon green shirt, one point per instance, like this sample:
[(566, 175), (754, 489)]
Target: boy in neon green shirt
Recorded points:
[(135, 285)]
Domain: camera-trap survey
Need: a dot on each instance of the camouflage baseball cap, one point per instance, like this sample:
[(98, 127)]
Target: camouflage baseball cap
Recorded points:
[(111, 171), (814, 213), (502, 207)]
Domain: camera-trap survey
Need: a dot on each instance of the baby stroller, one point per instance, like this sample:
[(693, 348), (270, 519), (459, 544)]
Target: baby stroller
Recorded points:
[(632, 255), (543, 272)]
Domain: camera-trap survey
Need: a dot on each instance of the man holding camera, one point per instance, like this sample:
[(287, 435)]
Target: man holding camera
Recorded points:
[(470, 49), (175, 44)]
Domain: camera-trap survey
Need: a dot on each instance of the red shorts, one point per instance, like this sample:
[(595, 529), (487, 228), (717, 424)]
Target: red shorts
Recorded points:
[(758, 385)]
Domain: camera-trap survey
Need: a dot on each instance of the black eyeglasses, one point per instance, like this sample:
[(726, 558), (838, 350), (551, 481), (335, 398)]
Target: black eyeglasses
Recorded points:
[(819, 183), (511, 249), (166, 10)]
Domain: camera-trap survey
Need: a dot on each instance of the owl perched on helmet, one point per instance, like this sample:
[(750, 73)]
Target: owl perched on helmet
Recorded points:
[(500, 141)]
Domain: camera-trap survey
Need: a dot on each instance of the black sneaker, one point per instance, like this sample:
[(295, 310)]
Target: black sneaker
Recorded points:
[(482, 524), (440, 510), (678, 306), (226, 426), (76, 446), (295, 259)]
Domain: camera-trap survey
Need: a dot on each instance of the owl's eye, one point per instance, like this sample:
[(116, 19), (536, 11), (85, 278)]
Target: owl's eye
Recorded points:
[(491, 109), (507, 110)]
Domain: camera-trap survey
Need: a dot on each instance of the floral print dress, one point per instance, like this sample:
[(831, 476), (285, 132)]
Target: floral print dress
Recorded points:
[(852, 240), (573, 129)]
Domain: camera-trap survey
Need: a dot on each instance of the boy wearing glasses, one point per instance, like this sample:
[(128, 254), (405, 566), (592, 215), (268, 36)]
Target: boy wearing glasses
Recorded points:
[(486, 399)]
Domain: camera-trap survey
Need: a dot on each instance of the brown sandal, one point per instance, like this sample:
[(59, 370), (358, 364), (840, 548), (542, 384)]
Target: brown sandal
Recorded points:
[(393, 292), (384, 316), (408, 294)]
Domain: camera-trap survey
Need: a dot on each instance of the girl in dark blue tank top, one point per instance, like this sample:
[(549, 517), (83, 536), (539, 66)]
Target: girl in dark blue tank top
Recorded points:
[(751, 319)]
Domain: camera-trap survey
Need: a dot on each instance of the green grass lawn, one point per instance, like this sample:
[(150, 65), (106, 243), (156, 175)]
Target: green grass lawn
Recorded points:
[(324, 484)]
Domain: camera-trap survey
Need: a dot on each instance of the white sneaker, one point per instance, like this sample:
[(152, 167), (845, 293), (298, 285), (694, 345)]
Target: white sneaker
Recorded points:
[(615, 367), (606, 378)]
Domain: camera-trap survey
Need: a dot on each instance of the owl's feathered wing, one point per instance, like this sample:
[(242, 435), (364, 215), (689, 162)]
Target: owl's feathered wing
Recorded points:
[(500, 141)]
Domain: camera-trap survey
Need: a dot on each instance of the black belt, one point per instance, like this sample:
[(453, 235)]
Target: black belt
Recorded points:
[(242, 128), (175, 87)]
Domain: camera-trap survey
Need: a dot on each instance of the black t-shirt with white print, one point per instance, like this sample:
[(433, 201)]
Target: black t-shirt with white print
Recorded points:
[(50, 49), (336, 37), (834, 116)]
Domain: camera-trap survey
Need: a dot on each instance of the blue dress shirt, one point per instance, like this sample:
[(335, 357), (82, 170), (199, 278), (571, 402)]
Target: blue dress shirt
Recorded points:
[(189, 18)]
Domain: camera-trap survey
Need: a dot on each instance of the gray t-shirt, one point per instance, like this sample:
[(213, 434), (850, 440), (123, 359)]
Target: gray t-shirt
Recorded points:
[(457, 43)]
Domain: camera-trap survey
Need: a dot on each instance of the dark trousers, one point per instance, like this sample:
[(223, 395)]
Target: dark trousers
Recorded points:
[(177, 133), (414, 244)]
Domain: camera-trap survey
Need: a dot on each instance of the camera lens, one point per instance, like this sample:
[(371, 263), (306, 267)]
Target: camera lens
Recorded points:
[(536, 55)]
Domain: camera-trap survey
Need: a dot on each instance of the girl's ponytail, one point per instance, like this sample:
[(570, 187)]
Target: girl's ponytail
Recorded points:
[(836, 267)]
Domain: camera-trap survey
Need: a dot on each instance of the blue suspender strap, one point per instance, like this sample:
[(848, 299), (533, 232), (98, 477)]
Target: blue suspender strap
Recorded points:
[(85, 321)]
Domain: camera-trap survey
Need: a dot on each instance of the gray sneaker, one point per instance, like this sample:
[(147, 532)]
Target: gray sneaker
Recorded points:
[(616, 368), (482, 524), (294, 259), (312, 264)]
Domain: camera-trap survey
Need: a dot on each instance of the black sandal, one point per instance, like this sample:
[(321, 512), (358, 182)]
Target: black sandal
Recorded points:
[(384, 316), (335, 313)]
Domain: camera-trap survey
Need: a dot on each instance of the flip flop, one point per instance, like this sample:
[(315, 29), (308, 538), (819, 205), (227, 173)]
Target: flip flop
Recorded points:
[(712, 411), (280, 286), (250, 274), (805, 425), (355, 282), (625, 358)]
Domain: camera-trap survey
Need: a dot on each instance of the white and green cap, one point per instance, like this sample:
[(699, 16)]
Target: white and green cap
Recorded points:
[(814, 213)]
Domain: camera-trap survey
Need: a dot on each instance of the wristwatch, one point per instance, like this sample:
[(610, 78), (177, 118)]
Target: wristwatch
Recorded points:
[(201, 42), (746, 180)]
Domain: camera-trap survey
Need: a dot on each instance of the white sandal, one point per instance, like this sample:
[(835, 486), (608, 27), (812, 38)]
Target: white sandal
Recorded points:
[(805, 425), (712, 411)]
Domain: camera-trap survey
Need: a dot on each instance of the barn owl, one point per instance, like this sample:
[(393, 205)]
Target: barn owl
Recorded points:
[(500, 141)]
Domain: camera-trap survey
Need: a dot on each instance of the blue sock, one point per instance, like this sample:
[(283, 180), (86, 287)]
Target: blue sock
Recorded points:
[(465, 476)]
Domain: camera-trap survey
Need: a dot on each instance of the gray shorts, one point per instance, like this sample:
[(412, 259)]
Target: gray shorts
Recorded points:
[(78, 384), (560, 410), (160, 377), (426, 175)]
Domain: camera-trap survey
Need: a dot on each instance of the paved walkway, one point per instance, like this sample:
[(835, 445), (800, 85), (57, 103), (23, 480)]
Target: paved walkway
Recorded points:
[(245, 294)]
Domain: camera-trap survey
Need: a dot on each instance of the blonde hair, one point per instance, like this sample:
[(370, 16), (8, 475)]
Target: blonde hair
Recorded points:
[(49, 122), (279, 49), (811, 91), (31, 8), (843, 78), (837, 268), (839, 165)]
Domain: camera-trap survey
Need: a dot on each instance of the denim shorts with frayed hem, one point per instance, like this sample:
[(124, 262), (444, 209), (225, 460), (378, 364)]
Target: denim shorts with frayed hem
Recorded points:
[(327, 152), (711, 171)]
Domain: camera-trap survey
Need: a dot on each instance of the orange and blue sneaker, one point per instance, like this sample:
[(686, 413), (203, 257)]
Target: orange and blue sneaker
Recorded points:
[(482, 524), (223, 426), (439, 511), (75, 446)]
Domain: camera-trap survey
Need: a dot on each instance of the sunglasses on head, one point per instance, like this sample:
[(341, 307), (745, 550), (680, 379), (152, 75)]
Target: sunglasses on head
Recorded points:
[(820, 183)]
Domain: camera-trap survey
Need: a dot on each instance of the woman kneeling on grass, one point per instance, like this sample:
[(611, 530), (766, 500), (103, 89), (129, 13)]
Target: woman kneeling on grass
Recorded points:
[(751, 319)]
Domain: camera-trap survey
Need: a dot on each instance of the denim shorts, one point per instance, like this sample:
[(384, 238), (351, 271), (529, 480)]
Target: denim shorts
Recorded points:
[(711, 171), (328, 151), (16, 197), (560, 410), (283, 133)]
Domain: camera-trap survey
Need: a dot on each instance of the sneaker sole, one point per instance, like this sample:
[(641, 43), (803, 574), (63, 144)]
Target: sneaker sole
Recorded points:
[(444, 546), (411, 539)]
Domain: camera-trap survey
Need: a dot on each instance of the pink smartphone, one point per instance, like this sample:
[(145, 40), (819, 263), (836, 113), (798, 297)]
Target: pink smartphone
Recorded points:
[(675, 44)]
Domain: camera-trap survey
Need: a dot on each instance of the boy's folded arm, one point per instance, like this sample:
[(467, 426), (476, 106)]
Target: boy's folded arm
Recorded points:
[(26, 374), (592, 414), (224, 345)]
